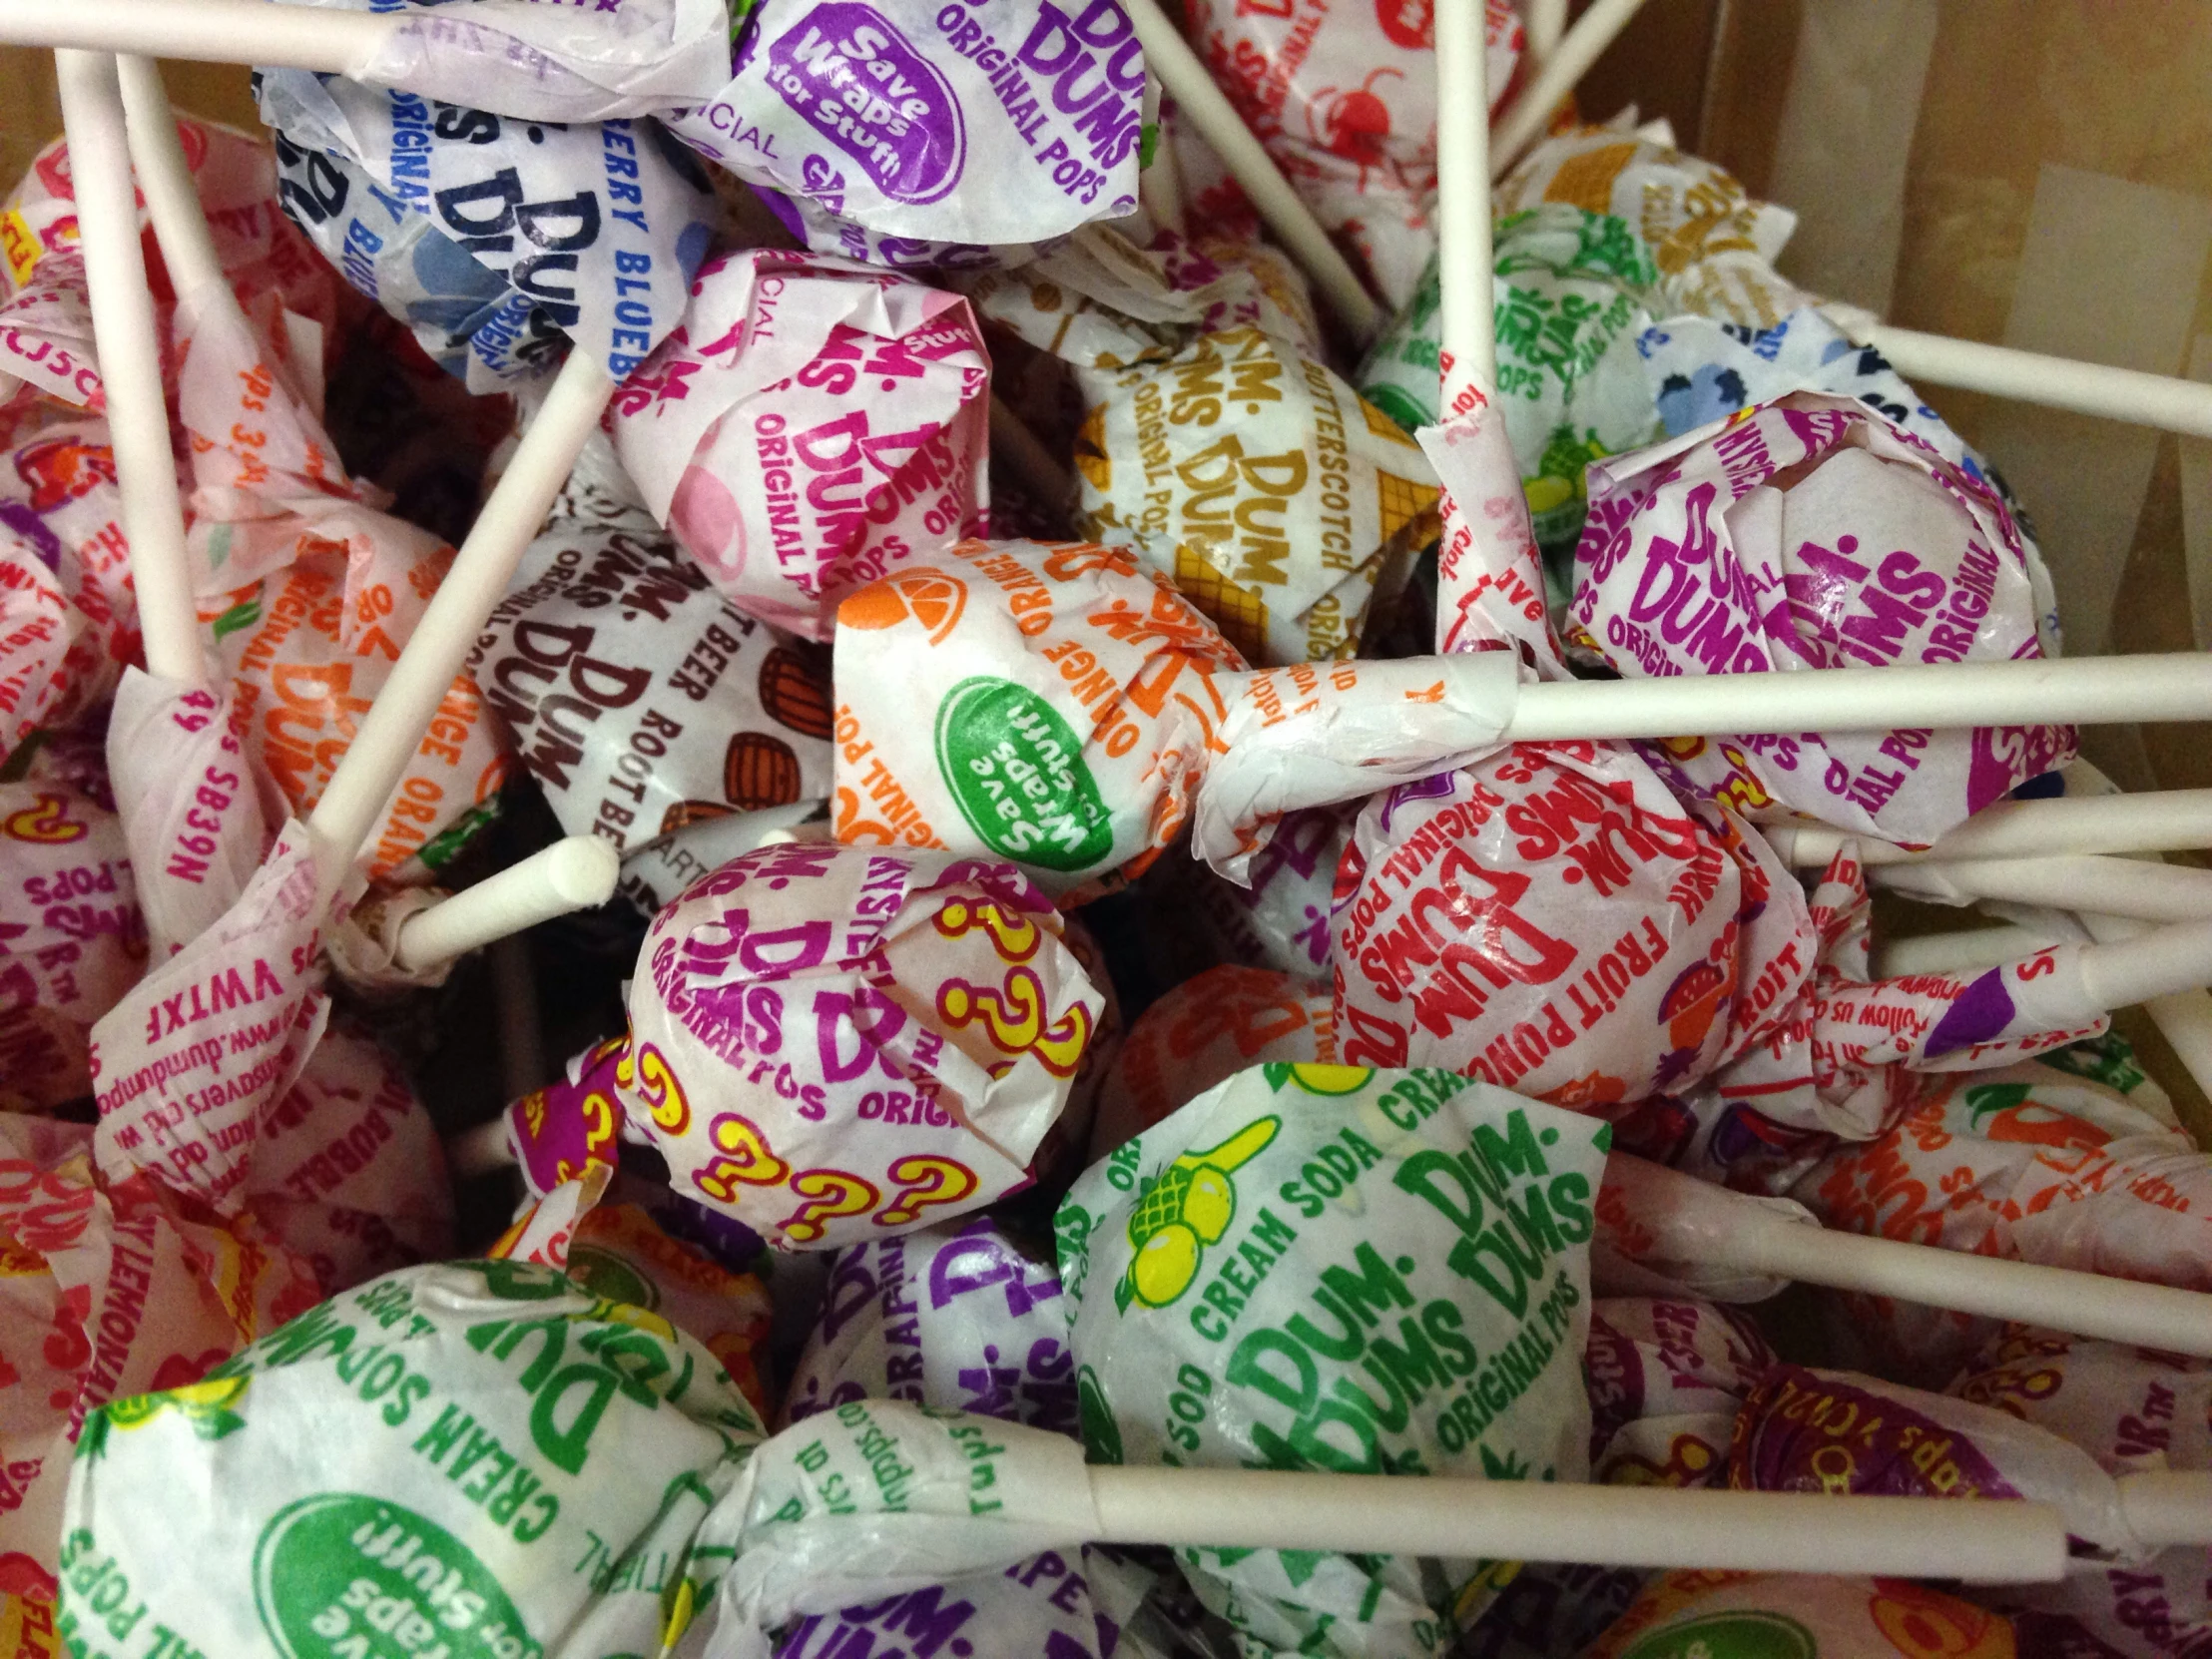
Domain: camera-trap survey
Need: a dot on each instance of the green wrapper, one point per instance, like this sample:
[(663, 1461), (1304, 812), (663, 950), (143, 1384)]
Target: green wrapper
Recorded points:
[(1340, 1269)]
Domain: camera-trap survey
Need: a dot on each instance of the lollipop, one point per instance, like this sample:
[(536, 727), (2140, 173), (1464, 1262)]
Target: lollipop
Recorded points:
[(745, 438), (909, 135), (1819, 1616)]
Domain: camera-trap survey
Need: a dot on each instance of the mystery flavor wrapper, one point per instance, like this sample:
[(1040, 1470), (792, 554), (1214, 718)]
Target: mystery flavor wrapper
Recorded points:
[(834, 1043), (810, 427), (1333, 1267)]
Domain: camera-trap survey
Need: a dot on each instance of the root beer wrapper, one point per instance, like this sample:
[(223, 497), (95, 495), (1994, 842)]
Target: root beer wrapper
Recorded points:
[(1813, 533), (834, 1043), (72, 938), (1570, 295), (1204, 1031), (1009, 121), (493, 236), (1343, 96), (106, 1291), (529, 1441), (1263, 485), (1686, 1615), (1334, 1267), (639, 697), (1063, 1606), (749, 439), (2131, 1410)]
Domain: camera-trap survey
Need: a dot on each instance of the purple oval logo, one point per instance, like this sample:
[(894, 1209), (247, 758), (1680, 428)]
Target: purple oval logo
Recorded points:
[(862, 85)]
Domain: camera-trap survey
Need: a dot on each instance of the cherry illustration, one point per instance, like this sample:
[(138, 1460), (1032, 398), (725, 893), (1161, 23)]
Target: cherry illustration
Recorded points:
[(1354, 124)]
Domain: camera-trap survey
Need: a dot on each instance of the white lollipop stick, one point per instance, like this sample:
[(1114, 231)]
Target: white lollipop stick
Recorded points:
[(208, 30), (165, 178), (345, 816), (2157, 821), (2150, 892), (1548, 24), (480, 1150), (577, 873), (1520, 125), (2153, 964), (1215, 120), (2168, 1506), (1703, 1225), (1469, 334), (1640, 1526), (1969, 950), (122, 326), (2183, 1017)]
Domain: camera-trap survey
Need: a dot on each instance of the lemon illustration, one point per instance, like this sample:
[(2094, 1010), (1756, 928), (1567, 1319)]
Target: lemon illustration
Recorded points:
[(1313, 1078), (1188, 1208)]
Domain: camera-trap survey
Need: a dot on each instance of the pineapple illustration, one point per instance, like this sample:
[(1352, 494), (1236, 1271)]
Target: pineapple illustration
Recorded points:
[(1188, 1208)]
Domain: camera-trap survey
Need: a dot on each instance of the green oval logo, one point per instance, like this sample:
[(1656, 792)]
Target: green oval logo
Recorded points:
[(341, 1574), (1743, 1635), (1016, 769), (610, 1278)]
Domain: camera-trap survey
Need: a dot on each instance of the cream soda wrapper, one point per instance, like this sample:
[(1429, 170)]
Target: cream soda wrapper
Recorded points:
[(1009, 121), (747, 437), (1809, 1616), (1204, 1031), (957, 1317), (76, 938), (1814, 534), (1263, 485), (1411, 1296), (107, 1290), (832, 1042), (627, 58), (638, 696), (590, 231), (1344, 97), (2131, 1410)]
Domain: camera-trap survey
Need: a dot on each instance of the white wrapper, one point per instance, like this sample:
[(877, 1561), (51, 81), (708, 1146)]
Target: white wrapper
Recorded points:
[(813, 425), (995, 121)]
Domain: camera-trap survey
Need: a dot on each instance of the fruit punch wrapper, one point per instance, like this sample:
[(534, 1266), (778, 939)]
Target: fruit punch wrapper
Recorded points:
[(1814, 534), (1263, 484), (810, 427), (1707, 1615), (956, 1316), (493, 236), (1002, 122), (638, 696), (75, 940), (2131, 1410), (1334, 1267), (834, 1043)]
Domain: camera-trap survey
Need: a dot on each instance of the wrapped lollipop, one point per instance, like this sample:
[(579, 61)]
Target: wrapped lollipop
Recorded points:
[(1346, 103), (71, 937), (909, 136), (744, 438), (1262, 483), (1311, 1266), (2138, 1413), (1809, 1616)]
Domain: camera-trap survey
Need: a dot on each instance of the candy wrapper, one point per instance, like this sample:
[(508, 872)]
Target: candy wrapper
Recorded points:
[(633, 57), (1569, 297), (1735, 1615), (72, 938), (1714, 245), (834, 1043), (999, 125), (748, 439), (1263, 484), (308, 650), (104, 1292), (1870, 550), (493, 236), (1281, 922), (2028, 1162), (1328, 1267), (1202, 1032), (639, 697), (1060, 1606), (2131, 1410), (1345, 98), (1070, 700)]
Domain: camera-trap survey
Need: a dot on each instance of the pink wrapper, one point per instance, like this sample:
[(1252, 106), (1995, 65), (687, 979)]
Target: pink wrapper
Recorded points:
[(104, 1292), (1204, 1031), (1870, 550), (834, 1043), (811, 425), (72, 940)]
